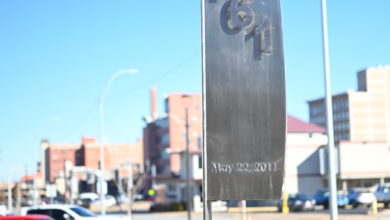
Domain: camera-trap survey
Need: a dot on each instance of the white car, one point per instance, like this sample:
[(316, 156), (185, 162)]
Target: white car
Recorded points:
[(3, 210), (64, 212), (108, 201), (89, 195)]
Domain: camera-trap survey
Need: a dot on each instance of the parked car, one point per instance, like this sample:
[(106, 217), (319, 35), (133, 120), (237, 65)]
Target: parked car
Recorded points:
[(322, 198), (342, 199), (109, 200), (85, 199), (3, 209), (382, 194), (89, 195), (26, 217), (360, 196), (299, 202), (61, 212)]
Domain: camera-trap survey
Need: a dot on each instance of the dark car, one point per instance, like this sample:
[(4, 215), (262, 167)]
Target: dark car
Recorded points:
[(298, 202), (26, 217), (322, 198), (382, 194)]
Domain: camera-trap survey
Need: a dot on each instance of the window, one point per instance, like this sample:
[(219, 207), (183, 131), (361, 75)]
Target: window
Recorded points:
[(199, 142), (58, 214), (83, 212), (39, 212)]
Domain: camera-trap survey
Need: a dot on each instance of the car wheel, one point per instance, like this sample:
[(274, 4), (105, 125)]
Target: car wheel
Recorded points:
[(326, 206)]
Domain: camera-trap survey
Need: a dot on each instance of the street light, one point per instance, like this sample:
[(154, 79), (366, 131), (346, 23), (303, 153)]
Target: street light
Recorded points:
[(332, 181), (101, 104), (186, 103)]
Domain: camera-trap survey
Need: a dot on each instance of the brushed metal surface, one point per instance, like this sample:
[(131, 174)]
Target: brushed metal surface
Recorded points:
[(245, 99)]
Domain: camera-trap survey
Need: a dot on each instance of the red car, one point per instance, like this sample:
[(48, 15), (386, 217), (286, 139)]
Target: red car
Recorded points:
[(26, 217)]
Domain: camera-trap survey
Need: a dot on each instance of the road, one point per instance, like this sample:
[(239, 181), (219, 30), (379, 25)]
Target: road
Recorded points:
[(350, 214), (141, 213)]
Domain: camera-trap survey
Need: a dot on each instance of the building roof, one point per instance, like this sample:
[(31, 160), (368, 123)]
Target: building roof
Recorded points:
[(334, 96), (295, 125)]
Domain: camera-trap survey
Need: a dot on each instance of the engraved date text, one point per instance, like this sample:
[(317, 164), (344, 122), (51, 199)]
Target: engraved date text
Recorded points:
[(258, 167)]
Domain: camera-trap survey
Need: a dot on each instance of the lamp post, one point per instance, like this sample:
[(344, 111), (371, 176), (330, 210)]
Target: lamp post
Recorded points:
[(101, 113), (329, 116), (187, 102)]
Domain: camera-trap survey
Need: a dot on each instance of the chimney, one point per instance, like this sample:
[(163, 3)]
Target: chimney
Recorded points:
[(153, 97)]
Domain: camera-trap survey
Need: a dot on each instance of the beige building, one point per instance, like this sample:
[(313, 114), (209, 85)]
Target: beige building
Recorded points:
[(363, 164), (361, 128), (362, 115)]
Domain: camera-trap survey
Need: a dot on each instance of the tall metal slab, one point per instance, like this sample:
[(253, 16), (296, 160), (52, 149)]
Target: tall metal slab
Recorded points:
[(245, 101)]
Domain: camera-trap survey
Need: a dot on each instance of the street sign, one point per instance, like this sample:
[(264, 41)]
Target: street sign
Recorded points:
[(51, 191), (245, 101)]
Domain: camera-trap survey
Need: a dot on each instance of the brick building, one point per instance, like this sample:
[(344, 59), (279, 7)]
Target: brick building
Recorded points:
[(163, 136), (87, 154), (56, 157)]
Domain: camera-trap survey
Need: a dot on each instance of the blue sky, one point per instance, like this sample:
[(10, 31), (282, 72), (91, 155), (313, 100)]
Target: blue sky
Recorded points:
[(57, 56)]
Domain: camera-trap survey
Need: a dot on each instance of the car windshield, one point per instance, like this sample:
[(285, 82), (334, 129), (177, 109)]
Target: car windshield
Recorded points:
[(385, 189), (298, 196), (303, 197), (83, 212)]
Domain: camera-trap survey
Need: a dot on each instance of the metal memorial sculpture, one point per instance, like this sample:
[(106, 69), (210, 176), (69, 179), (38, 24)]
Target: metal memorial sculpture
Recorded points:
[(244, 99)]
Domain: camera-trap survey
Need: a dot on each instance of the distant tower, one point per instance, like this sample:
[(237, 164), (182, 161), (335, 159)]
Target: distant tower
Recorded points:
[(153, 99), (44, 161)]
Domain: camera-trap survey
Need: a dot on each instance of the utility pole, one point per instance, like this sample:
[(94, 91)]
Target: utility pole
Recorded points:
[(130, 190), (186, 101), (329, 117)]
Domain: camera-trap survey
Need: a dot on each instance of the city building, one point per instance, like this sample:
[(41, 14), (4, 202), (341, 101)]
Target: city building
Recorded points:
[(361, 128), (114, 154), (362, 115), (56, 157), (163, 136), (363, 164), (302, 157), (74, 168)]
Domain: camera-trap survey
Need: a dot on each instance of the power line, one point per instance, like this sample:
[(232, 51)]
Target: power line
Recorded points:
[(93, 105), (87, 114), (160, 77)]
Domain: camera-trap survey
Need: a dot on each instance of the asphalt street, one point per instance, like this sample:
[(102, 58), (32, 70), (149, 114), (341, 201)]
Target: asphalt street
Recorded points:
[(141, 212), (359, 214)]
